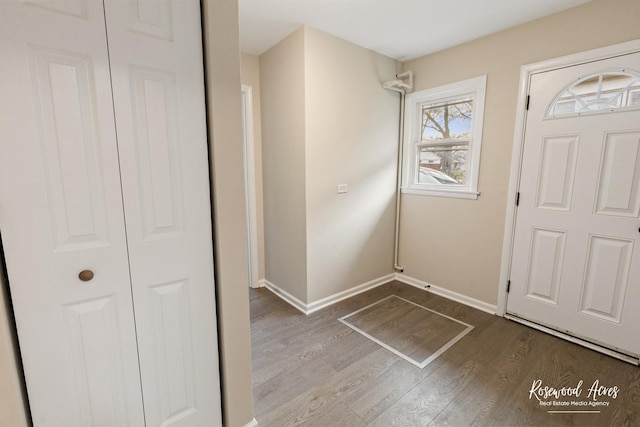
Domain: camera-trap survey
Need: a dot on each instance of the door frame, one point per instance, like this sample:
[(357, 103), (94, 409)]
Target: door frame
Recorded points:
[(526, 71), (248, 149)]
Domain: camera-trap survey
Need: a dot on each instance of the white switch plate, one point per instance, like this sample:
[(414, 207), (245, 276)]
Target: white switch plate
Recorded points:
[(342, 188)]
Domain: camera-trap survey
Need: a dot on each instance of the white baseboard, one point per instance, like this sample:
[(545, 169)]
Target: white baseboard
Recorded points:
[(286, 296), (259, 284), (253, 423), (330, 300), (446, 293)]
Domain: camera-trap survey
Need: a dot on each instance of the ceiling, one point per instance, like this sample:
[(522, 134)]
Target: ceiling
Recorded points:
[(400, 29)]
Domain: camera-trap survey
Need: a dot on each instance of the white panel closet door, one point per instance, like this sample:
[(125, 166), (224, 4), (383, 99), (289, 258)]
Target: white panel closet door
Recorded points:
[(158, 88), (133, 207), (61, 212)]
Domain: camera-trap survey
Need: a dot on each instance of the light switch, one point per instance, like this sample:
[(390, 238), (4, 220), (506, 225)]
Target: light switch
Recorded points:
[(342, 188)]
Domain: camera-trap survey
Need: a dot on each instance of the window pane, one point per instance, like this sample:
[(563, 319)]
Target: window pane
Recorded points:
[(600, 92), (443, 164), (446, 122), (444, 146), (565, 107)]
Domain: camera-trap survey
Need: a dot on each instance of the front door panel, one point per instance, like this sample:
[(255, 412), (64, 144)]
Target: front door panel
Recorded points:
[(576, 253)]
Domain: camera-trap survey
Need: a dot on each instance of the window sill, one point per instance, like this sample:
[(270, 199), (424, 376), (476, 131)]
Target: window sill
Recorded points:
[(456, 194)]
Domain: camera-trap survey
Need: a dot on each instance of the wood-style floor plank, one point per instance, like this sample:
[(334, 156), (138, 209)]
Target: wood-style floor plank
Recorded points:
[(315, 371), (429, 398), (340, 415), (386, 390), (321, 399)]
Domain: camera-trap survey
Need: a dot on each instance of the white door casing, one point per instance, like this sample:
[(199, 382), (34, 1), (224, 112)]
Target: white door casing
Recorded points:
[(62, 191), (250, 184), (575, 263)]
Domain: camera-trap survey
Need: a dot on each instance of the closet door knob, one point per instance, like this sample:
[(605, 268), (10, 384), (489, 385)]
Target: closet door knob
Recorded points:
[(85, 275)]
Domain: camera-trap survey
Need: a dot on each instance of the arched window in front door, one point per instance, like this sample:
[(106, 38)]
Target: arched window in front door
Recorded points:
[(598, 93)]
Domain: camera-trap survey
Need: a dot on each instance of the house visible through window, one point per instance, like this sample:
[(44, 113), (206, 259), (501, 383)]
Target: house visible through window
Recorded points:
[(598, 93), (444, 127)]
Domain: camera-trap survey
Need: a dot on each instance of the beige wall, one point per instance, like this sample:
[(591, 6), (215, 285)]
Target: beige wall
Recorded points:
[(351, 138), (282, 88), (250, 76), (12, 409), (457, 244), (222, 56), (326, 121)]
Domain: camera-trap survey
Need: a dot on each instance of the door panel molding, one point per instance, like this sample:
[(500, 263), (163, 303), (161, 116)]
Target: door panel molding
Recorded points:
[(609, 259), (558, 160), (545, 270), (64, 87), (619, 147)]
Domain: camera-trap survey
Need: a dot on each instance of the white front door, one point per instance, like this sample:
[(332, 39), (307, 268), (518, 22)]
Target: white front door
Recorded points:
[(576, 252), (132, 206)]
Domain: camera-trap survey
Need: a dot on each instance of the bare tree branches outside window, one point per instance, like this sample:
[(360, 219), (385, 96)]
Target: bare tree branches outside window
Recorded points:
[(445, 137)]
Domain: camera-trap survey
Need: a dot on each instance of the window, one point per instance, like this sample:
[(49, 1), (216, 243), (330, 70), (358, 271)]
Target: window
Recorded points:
[(597, 93), (443, 130)]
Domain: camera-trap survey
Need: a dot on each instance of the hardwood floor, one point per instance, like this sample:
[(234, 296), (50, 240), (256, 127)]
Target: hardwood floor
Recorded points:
[(315, 371)]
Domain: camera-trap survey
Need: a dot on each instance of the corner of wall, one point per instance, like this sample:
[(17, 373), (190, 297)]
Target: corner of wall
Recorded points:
[(351, 138), (282, 80), (222, 63)]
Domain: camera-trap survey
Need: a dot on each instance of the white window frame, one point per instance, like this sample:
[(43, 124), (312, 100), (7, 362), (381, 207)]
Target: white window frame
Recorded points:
[(474, 88)]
